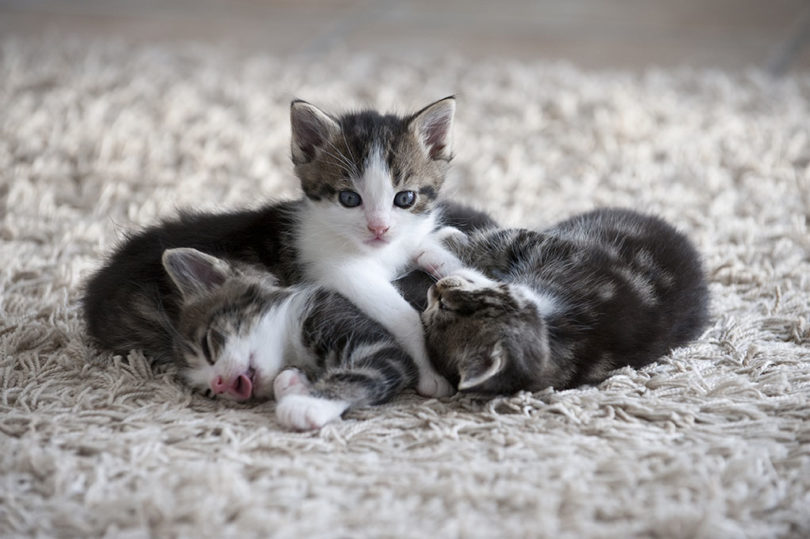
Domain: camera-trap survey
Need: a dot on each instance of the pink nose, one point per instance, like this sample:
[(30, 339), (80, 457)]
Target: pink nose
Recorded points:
[(240, 386), (378, 230)]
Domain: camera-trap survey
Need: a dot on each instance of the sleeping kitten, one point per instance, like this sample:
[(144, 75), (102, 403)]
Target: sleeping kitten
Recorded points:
[(240, 335), (562, 307), (371, 183)]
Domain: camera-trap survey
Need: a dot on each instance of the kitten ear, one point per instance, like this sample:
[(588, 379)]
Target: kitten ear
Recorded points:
[(476, 372), (311, 128), (432, 127), (195, 273)]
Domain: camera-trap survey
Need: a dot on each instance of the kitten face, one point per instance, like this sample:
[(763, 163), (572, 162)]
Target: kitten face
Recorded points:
[(227, 345), (489, 337), (372, 176)]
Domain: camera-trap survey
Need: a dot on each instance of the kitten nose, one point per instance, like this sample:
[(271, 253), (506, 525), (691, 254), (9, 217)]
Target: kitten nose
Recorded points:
[(218, 385), (378, 230)]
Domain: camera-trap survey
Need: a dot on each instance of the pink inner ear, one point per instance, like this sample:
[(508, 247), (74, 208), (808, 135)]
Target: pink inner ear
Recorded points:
[(435, 136)]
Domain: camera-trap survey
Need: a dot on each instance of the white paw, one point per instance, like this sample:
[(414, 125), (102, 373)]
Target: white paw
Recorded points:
[(290, 382), (467, 279), (305, 412), (434, 385), (450, 233), (437, 261)]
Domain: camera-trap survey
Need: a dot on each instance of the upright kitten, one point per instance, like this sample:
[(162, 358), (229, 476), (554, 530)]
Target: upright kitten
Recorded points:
[(371, 183), (240, 335), (565, 306)]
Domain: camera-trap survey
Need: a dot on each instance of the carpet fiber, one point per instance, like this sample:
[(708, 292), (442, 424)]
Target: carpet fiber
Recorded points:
[(713, 441)]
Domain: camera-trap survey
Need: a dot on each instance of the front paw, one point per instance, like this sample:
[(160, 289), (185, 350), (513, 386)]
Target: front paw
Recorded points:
[(450, 234), (434, 385), (305, 412), (290, 382), (437, 262)]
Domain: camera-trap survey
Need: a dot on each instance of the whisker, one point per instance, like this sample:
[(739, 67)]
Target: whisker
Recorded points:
[(343, 165), (345, 160), (351, 153)]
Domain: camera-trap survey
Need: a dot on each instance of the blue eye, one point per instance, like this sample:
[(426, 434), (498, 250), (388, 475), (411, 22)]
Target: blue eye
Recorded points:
[(404, 199), (350, 199)]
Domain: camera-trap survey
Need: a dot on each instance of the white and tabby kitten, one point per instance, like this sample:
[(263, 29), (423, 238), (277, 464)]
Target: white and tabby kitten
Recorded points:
[(525, 310), (370, 183), (239, 336)]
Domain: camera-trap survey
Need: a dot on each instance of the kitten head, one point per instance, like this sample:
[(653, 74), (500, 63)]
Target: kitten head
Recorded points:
[(372, 176), (218, 341), (486, 336)]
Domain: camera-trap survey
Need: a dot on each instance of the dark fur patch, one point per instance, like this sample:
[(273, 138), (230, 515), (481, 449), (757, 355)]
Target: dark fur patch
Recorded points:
[(343, 157), (627, 289)]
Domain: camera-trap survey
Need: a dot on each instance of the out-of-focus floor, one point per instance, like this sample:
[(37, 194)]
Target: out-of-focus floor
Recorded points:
[(732, 34)]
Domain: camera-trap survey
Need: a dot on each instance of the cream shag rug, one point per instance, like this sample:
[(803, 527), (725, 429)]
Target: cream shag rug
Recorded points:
[(714, 441)]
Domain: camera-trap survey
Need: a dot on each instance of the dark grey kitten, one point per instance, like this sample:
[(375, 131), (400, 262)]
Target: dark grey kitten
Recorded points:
[(240, 335), (524, 310)]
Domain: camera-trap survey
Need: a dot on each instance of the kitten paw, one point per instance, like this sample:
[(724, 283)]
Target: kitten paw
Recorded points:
[(465, 279), (437, 262), (305, 412), (434, 385), (290, 382), (448, 234)]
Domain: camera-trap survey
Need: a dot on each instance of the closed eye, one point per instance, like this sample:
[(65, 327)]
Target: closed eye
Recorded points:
[(206, 349)]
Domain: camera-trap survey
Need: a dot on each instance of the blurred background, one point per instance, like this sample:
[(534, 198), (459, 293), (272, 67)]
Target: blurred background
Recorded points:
[(634, 34)]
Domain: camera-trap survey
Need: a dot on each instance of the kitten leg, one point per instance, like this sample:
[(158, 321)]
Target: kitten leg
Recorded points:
[(380, 299), (290, 382), (433, 255), (376, 374), (308, 412), (298, 407)]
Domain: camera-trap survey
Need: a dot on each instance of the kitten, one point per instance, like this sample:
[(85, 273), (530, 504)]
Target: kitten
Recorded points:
[(239, 335), (371, 183), (562, 307)]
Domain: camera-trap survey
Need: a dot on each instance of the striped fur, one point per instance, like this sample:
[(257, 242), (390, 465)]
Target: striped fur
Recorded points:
[(565, 306), (131, 303), (237, 326)]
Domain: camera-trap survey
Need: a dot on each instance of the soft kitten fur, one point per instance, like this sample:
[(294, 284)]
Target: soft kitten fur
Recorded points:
[(371, 182), (523, 310), (130, 303), (240, 335)]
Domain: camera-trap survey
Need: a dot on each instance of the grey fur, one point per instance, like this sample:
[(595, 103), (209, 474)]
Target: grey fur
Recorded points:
[(347, 356), (130, 302), (329, 151), (616, 288)]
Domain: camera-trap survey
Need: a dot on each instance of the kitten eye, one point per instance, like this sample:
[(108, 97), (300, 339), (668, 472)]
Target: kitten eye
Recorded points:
[(404, 199), (206, 349), (349, 199)]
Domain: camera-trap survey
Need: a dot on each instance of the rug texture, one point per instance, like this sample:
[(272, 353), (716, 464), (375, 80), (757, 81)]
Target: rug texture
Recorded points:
[(97, 139)]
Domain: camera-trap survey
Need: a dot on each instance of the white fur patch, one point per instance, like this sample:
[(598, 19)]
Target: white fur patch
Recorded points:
[(377, 190), (305, 412), (263, 349), (546, 303)]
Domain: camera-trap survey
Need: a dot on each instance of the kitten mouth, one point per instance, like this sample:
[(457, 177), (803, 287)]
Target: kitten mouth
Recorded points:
[(376, 241), (253, 377), (244, 385)]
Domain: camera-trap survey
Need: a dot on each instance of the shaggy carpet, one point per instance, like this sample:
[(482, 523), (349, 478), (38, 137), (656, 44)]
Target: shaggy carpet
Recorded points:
[(713, 441)]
